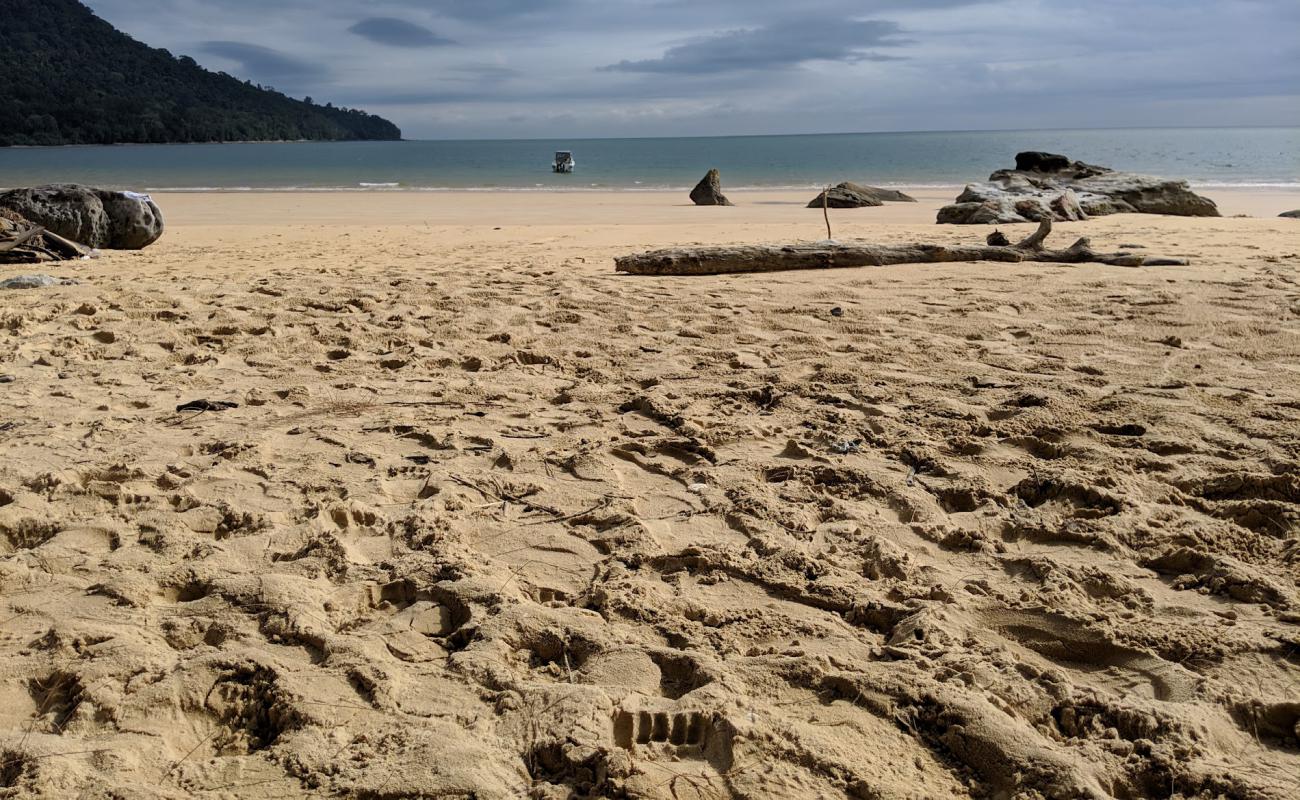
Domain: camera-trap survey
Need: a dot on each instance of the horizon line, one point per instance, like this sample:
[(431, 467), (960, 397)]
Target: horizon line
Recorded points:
[(856, 133)]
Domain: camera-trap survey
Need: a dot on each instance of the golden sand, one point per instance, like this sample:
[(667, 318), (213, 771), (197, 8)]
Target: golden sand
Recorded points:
[(493, 521)]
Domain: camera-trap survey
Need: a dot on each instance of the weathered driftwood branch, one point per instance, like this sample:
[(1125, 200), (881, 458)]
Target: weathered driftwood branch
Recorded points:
[(34, 244), (758, 258), (19, 239), (64, 247)]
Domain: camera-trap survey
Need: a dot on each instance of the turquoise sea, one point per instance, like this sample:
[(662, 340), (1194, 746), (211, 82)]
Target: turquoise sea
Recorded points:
[(1205, 156)]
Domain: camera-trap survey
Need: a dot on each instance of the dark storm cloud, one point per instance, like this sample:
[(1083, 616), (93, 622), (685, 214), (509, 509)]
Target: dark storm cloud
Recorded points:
[(397, 33), (263, 63), (775, 46)]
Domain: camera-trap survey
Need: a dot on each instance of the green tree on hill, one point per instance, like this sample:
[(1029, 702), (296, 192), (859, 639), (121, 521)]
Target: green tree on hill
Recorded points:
[(68, 77)]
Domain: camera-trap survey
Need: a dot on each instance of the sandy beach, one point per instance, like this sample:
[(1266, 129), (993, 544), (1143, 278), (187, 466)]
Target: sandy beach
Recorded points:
[(490, 520)]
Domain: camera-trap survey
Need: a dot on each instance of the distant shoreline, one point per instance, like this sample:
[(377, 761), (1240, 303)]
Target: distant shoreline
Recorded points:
[(82, 145), (686, 137)]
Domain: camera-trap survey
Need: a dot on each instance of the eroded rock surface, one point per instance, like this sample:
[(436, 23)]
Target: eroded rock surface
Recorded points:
[(1047, 184), (856, 195), (708, 192), (94, 217)]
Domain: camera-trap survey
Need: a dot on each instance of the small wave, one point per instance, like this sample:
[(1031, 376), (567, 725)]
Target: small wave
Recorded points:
[(537, 188), (1245, 185)]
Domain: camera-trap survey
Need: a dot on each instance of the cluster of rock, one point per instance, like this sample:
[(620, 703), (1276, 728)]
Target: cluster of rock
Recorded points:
[(708, 192), (854, 195), (93, 217), (1050, 186)]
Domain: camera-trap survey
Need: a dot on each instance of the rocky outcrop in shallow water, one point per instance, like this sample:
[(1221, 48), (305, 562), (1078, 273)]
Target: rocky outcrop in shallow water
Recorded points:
[(1047, 185), (93, 217)]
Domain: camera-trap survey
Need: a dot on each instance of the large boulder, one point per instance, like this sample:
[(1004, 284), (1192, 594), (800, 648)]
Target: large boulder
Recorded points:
[(93, 217), (855, 195), (1047, 184), (1291, 214), (1038, 161), (1143, 194), (708, 192)]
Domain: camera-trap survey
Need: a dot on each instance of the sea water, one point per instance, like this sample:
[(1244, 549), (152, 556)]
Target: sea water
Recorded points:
[(1205, 156)]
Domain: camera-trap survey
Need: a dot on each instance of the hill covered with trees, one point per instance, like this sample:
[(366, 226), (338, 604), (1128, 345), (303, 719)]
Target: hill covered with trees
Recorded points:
[(69, 77)]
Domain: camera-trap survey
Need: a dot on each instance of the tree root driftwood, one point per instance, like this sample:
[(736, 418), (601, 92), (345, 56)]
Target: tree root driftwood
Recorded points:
[(830, 255), (21, 242)]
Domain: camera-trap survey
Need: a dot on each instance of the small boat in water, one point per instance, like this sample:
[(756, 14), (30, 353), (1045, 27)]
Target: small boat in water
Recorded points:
[(563, 162)]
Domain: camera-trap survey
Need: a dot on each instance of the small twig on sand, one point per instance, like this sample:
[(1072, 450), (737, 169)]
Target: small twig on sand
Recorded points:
[(184, 420), (193, 749), (21, 757), (504, 496)]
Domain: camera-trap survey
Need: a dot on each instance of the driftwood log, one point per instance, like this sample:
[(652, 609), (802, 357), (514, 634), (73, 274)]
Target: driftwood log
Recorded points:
[(830, 255)]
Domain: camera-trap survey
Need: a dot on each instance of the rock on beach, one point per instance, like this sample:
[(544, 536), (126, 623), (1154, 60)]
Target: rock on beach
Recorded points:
[(1048, 185), (708, 192), (93, 217), (856, 195)]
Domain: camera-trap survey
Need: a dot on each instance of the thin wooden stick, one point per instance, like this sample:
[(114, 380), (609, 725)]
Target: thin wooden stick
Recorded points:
[(826, 199)]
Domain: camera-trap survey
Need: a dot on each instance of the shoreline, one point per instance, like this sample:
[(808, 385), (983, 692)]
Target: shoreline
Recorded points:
[(395, 188), (769, 210)]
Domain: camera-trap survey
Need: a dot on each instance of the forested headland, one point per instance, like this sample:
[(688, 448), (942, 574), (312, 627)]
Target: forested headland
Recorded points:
[(69, 77)]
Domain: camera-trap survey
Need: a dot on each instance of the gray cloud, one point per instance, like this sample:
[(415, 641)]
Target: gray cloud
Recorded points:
[(481, 72), (568, 68), (263, 63), (774, 46), (495, 9), (397, 33)]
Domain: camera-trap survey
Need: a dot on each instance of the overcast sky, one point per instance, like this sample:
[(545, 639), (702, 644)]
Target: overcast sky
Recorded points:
[(574, 68)]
